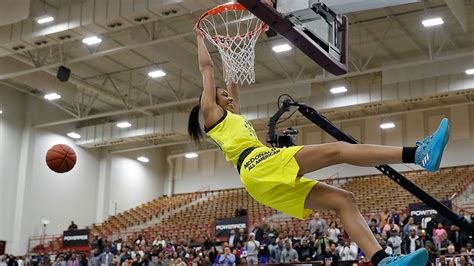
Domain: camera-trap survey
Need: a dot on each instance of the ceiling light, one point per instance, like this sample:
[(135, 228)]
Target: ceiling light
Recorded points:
[(157, 74), (124, 124), (338, 90), (432, 22), (52, 96), (191, 155), (1, 112), (387, 125), (281, 48), (92, 40), (143, 159), (44, 19), (470, 71), (73, 135)]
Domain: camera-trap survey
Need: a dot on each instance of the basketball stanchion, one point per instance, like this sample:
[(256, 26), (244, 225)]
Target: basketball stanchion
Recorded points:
[(326, 125)]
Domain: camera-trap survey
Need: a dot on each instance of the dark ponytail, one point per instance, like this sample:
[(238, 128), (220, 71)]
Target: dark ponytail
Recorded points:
[(194, 127)]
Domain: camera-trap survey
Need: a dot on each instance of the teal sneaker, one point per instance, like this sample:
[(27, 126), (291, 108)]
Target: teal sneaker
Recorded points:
[(417, 258), (430, 150)]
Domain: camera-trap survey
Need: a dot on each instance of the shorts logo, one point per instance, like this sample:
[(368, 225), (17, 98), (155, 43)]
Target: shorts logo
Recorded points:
[(254, 161)]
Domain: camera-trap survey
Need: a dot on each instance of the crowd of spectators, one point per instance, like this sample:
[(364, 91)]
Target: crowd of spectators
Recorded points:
[(267, 243)]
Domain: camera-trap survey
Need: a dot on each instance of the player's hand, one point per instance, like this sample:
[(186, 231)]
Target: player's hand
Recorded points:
[(198, 32)]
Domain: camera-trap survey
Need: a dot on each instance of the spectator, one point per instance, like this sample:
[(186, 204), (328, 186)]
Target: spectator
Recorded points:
[(159, 240), (333, 232), (20, 261), (275, 251), (431, 225), (212, 254), (432, 254), (329, 258), (242, 237), (389, 227), (395, 242), (258, 231), (463, 214), (410, 224), (72, 226), (457, 238), (411, 242), (317, 225), (96, 242), (348, 251), (424, 238), (233, 240), (395, 216), (252, 246), (289, 255), (227, 258), (306, 235), (384, 216), (451, 250), (438, 234), (387, 247), (469, 249), (321, 243), (241, 211), (444, 243), (137, 260), (106, 258)]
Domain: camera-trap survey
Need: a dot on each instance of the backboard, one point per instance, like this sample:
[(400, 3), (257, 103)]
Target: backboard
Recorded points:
[(311, 26)]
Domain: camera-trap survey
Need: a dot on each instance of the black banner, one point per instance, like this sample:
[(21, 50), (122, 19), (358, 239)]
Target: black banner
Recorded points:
[(76, 238), (223, 227), (422, 213)]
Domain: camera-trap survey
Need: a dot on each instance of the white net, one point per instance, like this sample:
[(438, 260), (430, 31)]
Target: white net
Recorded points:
[(234, 31)]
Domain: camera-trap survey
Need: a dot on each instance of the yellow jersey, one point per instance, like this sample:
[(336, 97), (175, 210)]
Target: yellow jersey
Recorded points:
[(233, 134)]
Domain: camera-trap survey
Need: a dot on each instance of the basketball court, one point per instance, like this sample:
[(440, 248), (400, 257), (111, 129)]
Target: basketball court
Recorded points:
[(95, 99)]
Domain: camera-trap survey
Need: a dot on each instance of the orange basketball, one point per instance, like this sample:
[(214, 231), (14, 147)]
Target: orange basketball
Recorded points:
[(61, 158)]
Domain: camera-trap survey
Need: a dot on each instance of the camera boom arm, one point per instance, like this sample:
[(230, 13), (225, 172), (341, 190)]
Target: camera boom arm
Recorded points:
[(326, 125)]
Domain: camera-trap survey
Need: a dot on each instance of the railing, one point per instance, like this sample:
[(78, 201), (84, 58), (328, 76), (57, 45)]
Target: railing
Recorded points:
[(43, 244)]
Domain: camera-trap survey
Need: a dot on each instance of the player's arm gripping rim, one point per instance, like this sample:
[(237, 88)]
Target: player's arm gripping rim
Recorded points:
[(210, 110)]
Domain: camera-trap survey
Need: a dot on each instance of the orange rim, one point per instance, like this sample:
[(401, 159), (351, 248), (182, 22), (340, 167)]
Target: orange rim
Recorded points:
[(224, 8)]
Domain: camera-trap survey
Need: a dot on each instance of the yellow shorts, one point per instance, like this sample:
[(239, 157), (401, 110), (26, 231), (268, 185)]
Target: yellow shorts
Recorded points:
[(270, 176)]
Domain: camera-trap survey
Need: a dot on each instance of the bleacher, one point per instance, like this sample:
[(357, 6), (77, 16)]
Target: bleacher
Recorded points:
[(376, 193), (191, 215), (144, 213)]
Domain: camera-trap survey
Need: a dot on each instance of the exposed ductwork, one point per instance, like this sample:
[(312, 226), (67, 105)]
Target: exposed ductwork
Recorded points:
[(365, 93), (169, 125)]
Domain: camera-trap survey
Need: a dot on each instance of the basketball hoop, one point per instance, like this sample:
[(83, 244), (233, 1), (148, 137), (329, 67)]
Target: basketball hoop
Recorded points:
[(234, 31)]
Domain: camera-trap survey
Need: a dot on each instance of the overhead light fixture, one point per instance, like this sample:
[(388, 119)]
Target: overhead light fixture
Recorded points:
[(92, 40), (387, 125), (432, 22), (470, 71), (44, 19), (1, 112), (337, 90), (156, 74), (143, 159), (124, 124), (52, 96), (281, 48), (191, 155), (73, 135)]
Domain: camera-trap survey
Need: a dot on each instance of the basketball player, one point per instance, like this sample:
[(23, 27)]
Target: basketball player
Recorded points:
[(274, 176)]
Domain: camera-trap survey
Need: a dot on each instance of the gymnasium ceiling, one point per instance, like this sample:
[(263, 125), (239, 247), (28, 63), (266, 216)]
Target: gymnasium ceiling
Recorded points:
[(109, 81)]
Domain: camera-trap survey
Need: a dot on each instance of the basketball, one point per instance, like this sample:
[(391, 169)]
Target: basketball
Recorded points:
[(61, 158)]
